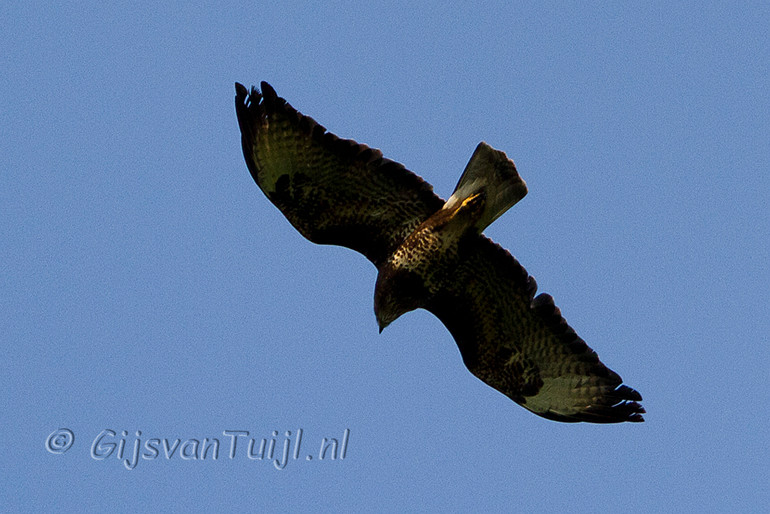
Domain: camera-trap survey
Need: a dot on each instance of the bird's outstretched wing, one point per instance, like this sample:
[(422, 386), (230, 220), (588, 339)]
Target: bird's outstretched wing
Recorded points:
[(521, 345), (334, 191)]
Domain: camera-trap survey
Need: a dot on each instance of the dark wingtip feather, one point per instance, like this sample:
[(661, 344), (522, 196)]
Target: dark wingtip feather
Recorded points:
[(268, 91), (249, 110), (621, 405), (629, 394)]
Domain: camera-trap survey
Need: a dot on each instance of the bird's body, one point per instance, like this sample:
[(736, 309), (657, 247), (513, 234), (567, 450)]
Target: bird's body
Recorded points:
[(431, 254)]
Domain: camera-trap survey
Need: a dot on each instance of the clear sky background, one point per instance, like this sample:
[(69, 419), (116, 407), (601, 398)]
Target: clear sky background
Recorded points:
[(147, 284)]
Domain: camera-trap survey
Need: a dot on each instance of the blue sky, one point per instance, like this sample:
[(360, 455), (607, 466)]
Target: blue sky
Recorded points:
[(148, 285)]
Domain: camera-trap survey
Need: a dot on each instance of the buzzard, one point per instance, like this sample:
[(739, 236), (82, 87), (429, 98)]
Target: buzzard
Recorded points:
[(431, 254)]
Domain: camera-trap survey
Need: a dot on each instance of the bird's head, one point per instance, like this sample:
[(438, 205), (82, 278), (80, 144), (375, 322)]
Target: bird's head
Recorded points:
[(396, 292)]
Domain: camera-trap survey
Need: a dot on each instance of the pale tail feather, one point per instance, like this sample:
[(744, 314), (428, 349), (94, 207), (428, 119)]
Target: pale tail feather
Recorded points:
[(491, 172)]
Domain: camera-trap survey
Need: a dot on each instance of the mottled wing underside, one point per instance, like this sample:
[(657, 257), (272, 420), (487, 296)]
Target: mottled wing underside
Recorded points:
[(334, 191), (521, 345)]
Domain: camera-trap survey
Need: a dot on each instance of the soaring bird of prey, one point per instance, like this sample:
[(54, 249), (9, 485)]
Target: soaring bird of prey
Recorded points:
[(431, 254)]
